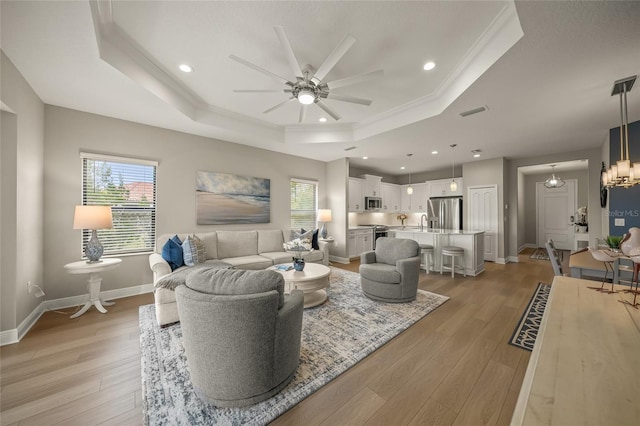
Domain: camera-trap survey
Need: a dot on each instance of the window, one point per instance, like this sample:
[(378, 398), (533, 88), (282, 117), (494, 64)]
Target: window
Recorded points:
[(129, 187), (304, 203)]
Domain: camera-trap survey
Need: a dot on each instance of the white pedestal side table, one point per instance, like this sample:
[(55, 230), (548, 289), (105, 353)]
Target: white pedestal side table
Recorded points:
[(94, 281)]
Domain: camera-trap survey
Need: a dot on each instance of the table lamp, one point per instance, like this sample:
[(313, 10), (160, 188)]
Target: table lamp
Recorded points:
[(324, 216), (93, 218)]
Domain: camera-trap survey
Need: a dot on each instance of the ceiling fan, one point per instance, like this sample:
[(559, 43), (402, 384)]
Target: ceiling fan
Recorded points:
[(308, 87)]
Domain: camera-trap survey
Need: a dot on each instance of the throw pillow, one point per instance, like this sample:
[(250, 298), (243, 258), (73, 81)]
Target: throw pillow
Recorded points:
[(314, 238), (303, 235), (190, 251), (201, 249), (172, 253)]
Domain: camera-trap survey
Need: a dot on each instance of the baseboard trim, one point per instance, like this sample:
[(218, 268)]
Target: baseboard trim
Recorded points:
[(344, 260), (501, 261), (526, 246), (9, 337), (513, 259)]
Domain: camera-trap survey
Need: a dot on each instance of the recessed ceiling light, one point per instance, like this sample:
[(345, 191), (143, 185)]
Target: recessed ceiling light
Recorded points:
[(434, 152), (365, 158), (476, 153), (185, 68), (322, 119), (429, 66), (402, 168)]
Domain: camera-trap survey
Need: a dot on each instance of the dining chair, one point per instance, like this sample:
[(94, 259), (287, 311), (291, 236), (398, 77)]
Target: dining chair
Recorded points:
[(554, 257), (602, 256)]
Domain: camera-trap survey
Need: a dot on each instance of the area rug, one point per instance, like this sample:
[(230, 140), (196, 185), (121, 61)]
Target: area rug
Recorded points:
[(524, 336), (540, 254), (335, 336)]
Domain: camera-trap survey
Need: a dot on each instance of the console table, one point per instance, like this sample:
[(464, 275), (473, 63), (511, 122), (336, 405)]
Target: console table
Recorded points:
[(94, 281), (584, 365)]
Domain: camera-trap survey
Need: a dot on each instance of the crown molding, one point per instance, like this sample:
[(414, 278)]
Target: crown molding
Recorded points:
[(123, 53)]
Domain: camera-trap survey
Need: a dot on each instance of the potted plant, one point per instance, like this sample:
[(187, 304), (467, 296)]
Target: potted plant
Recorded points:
[(613, 241)]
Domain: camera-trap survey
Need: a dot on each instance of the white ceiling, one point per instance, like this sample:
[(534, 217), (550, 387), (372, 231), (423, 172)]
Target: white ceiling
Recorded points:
[(563, 166), (545, 72)]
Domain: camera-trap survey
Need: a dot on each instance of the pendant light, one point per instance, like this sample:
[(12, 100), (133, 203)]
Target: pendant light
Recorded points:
[(453, 186), (409, 188), (623, 173), (553, 181)]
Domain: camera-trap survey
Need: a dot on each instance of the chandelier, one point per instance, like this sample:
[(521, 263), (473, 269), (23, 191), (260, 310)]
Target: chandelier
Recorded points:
[(553, 181), (623, 173)]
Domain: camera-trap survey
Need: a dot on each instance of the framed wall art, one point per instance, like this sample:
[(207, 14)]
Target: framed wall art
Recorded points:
[(226, 199)]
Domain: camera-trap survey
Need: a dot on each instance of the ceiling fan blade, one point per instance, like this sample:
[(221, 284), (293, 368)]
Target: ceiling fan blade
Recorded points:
[(279, 105), (355, 79), (291, 57), (303, 113), (260, 91), (333, 58), (328, 110), (260, 69), (351, 99)]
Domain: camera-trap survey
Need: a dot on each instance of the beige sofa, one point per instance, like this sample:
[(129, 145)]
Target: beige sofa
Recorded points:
[(257, 249)]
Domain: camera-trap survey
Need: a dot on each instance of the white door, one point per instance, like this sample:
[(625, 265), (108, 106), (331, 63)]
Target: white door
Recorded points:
[(555, 207), (483, 216)]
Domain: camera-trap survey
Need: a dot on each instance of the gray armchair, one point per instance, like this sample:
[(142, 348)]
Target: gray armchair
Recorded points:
[(241, 334), (390, 273)]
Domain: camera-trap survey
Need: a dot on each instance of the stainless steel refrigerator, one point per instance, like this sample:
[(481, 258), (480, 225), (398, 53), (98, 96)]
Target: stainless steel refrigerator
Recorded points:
[(445, 212)]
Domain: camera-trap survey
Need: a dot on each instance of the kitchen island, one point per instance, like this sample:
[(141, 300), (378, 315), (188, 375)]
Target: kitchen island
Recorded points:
[(471, 241)]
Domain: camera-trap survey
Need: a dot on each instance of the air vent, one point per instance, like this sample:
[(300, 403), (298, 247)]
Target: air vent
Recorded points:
[(474, 111), (350, 148)]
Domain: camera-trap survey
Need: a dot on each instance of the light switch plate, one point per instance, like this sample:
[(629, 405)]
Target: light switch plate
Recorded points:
[(618, 221)]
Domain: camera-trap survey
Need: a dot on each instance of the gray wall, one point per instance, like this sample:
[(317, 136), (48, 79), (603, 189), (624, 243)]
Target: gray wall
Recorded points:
[(515, 228), (179, 155), (402, 179), (337, 184), (21, 222), (530, 207)]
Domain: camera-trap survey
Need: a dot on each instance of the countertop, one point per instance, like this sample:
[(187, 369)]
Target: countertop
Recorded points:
[(355, 228), (416, 230)]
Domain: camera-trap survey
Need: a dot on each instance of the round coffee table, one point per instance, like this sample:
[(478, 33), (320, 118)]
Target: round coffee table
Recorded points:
[(313, 281)]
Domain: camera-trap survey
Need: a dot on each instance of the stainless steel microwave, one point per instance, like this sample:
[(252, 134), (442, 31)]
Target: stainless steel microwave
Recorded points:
[(372, 203)]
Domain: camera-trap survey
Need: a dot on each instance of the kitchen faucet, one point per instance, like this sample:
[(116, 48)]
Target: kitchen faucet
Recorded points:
[(424, 216)]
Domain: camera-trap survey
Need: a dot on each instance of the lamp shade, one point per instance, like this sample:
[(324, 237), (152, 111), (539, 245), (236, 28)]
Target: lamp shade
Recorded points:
[(92, 217), (324, 215)]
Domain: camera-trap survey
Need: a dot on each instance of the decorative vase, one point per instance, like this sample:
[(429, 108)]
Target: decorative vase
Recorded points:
[(298, 264)]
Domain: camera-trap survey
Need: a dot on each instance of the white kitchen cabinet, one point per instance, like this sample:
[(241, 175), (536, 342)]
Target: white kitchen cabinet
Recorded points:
[(442, 188), (356, 195), (390, 197), (372, 185), (416, 202), (420, 197), (405, 199), (360, 240)]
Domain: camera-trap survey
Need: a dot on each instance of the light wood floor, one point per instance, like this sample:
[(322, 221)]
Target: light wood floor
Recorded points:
[(452, 367)]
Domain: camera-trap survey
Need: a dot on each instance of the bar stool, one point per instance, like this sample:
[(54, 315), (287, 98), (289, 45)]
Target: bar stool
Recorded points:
[(453, 252), (426, 257)]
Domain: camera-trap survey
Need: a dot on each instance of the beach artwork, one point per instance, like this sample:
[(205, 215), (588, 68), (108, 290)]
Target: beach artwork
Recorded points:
[(225, 199)]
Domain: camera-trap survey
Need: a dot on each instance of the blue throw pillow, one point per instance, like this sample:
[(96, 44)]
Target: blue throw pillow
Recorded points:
[(172, 253)]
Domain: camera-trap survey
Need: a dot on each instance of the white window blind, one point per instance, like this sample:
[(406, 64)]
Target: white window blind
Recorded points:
[(129, 187), (304, 204)]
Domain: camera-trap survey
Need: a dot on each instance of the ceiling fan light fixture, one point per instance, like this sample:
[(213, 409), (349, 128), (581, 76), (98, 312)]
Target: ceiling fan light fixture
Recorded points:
[(306, 97)]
